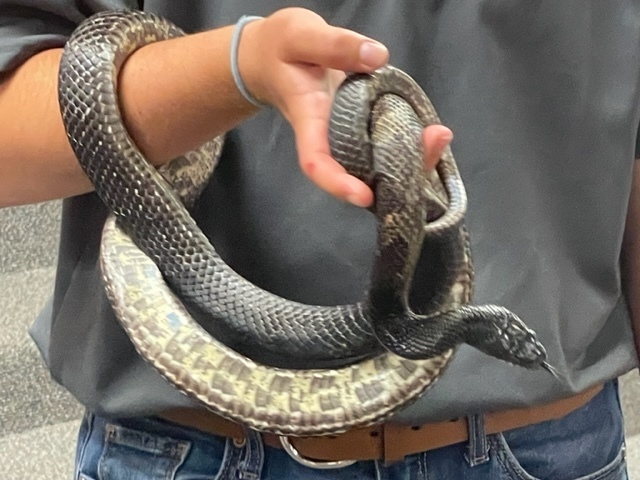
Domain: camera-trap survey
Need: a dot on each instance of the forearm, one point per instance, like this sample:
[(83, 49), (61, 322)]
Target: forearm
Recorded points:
[(631, 255), (175, 95), (178, 94)]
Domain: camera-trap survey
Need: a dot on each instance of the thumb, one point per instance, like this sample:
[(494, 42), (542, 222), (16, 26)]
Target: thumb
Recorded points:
[(309, 40)]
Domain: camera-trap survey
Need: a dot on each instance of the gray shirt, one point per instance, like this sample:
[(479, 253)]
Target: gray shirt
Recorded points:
[(543, 100)]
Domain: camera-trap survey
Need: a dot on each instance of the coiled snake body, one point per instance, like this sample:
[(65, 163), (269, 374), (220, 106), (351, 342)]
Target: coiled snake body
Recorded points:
[(156, 261)]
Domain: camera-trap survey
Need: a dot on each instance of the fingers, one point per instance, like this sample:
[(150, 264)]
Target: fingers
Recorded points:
[(306, 59), (435, 139), (309, 118), (316, 162), (339, 49), (318, 165), (310, 40)]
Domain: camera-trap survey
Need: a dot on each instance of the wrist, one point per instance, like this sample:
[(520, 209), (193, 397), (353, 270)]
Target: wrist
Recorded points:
[(246, 60)]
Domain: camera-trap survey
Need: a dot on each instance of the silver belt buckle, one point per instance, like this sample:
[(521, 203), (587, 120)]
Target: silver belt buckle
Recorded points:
[(318, 465)]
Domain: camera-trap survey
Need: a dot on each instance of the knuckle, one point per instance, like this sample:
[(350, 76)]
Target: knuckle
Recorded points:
[(292, 25), (293, 34), (308, 168)]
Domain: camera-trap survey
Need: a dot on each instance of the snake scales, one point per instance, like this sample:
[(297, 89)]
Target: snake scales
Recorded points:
[(158, 266)]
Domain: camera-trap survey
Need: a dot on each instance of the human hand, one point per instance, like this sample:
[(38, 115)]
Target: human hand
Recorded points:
[(295, 61)]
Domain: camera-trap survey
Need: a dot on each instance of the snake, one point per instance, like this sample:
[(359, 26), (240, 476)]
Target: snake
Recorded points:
[(160, 271)]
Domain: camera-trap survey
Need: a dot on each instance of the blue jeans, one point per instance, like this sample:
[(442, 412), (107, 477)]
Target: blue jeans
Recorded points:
[(587, 444)]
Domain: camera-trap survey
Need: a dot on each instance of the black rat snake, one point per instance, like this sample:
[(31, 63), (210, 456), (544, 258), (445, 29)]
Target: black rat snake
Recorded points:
[(390, 353)]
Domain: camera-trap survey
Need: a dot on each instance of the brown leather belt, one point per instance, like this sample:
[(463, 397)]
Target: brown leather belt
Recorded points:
[(388, 442)]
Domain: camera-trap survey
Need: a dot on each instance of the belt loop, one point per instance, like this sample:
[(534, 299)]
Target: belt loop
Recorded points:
[(252, 457), (478, 449), (393, 446)]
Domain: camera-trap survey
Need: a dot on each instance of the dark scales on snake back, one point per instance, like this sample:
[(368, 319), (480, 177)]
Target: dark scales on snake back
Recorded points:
[(375, 133)]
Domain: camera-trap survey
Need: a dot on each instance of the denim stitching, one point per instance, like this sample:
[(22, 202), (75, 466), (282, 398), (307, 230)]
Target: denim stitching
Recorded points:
[(181, 449), (508, 467), (512, 467), (423, 466), (378, 470), (252, 459), (231, 455), (478, 448), (114, 435), (88, 420)]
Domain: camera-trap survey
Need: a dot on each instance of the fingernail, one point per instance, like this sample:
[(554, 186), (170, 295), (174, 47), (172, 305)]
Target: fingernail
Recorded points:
[(373, 54), (446, 139), (443, 140)]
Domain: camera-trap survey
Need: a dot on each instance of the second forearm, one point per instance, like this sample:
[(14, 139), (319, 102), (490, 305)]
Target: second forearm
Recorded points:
[(631, 255)]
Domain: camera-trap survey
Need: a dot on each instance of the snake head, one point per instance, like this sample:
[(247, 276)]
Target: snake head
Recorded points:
[(506, 337)]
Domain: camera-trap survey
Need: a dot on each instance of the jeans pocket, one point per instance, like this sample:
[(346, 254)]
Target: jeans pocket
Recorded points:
[(562, 465), (130, 454), (150, 449), (587, 444)]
